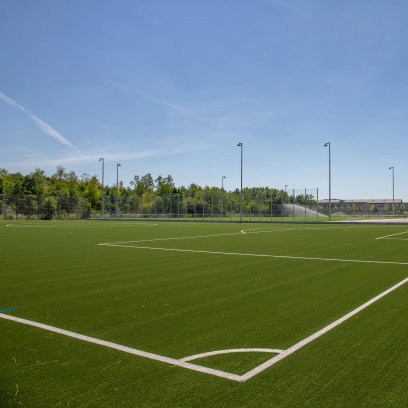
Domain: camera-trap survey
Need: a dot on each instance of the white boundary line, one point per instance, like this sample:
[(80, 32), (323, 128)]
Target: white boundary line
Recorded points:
[(319, 333), (197, 251), (185, 364), (192, 237), (125, 349), (87, 225), (229, 351), (393, 235), (242, 232)]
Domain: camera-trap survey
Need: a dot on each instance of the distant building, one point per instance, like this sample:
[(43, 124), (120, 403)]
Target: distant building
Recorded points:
[(375, 206)]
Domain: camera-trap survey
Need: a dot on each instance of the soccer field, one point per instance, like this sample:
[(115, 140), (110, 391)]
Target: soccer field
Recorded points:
[(145, 314)]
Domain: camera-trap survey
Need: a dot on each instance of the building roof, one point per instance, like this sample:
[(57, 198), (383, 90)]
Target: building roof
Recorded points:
[(363, 201)]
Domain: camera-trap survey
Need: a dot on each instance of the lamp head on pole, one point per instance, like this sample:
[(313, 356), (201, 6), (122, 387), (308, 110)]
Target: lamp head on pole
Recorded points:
[(240, 144), (327, 144)]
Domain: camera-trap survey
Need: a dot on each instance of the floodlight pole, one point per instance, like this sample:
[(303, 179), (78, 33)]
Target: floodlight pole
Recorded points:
[(103, 186), (117, 188), (284, 202), (240, 144), (222, 195), (393, 200), (328, 145)]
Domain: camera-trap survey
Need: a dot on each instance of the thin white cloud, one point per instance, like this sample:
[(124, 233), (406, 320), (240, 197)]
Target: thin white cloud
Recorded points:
[(45, 127), (160, 101), (34, 160), (152, 98)]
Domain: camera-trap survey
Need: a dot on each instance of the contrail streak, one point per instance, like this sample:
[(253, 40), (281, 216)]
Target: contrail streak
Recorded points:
[(45, 127), (159, 101), (150, 97)]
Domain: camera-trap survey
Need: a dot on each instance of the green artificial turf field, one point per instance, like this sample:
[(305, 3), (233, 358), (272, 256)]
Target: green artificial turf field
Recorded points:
[(203, 315)]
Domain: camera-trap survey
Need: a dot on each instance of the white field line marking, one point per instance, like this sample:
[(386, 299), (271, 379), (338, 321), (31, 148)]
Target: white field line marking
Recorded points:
[(109, 224), (125, 349), (185, 364), (245, 231), (323, 228), (318, 334), (393, 235), (239, 350), (196, 251), (190, 237)]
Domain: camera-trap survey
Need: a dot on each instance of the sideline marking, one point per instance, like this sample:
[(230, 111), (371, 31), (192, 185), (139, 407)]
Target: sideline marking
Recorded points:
[(185, 364), (318, 334), (393, 235), (197, 251), (125, 349), (90, 225)]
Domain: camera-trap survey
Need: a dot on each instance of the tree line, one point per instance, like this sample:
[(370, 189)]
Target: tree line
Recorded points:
[(142, 193)]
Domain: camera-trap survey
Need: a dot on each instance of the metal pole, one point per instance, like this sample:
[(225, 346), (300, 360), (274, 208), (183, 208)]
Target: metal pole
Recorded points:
[(222, 194), (393, 200), (240, 144), (328, 145), (103, 186), (117, 188), (282, 207), (250, 205), (305, 204), (212, 205)]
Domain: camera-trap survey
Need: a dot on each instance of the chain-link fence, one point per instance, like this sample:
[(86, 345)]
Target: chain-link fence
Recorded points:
[(26, 207), (294, 205), (257, 205)]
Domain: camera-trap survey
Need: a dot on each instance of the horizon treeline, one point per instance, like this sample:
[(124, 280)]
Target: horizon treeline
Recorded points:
[(68, 184)]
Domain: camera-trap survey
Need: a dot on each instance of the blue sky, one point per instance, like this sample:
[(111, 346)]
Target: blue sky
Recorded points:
[(170, 87)]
